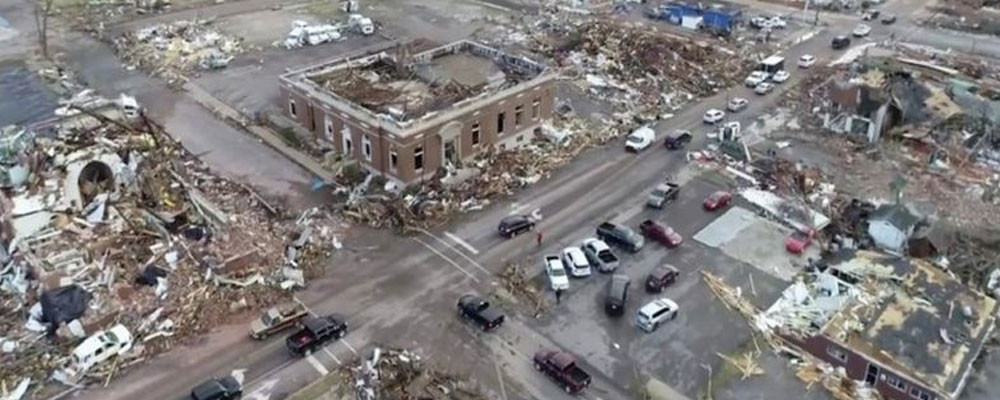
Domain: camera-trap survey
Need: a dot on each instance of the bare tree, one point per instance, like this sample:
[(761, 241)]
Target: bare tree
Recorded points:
[(43, 8)]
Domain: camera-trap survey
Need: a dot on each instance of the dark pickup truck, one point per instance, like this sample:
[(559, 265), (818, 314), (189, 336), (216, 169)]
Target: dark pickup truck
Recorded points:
[(662, 194), (479, 311), (561, 367), (620, 235), (315, 332), (226, 388)]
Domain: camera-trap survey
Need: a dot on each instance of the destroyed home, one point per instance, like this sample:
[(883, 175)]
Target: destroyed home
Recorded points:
[(405, 112), (904, 327), (119, 245)]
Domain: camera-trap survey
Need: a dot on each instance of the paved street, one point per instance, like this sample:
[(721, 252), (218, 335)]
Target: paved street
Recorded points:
[(401, 290)]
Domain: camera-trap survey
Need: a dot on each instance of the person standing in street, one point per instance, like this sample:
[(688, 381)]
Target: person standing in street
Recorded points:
[(558, 296), (538, 238)]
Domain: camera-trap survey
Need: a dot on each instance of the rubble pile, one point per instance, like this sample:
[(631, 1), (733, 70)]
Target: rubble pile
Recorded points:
[(633, 65), (174, 48), (976, 261), (111, 230), (490, 175), (835, 381), (401, 375), (516, 282), (93, 15)]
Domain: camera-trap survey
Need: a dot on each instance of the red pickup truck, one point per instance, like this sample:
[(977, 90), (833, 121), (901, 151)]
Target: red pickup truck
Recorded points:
[(562, 368), (666, 235)]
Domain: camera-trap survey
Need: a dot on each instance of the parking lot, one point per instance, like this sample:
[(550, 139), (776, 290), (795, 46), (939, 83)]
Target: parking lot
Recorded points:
[(675, 352)]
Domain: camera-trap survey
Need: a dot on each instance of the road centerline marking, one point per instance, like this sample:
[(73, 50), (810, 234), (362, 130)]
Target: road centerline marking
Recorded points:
[(462, 243)]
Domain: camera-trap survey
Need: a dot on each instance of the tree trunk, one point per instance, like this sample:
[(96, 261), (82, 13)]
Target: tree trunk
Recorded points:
[(42, 11)]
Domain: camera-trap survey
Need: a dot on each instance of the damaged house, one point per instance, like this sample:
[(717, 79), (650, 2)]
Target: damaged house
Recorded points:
[(405, 113), (902, 327), (892, 225), (888, 93)]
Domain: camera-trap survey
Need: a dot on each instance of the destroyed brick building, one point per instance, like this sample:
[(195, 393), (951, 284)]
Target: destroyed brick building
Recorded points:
[(405, 113), (904, 327)]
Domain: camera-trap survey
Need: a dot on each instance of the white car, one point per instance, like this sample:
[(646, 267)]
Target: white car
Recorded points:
[(574, 259), (778, 22), (763, 88), (780, 76), (640, 139), (755, 78), (653, 314), (737, 104), (101, 346), (556, 272), (862, 30), (806, 61), (714, 115)]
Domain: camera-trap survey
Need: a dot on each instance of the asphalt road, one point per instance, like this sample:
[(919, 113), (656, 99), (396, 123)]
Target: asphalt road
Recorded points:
[(401, 291)]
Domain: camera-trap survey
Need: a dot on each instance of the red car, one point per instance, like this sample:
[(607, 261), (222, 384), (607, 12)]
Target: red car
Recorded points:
[(797, 242), (717, 200), (666, 235)]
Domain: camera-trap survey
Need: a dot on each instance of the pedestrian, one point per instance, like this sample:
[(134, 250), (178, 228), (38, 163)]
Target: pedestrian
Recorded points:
[(538, 238), (558, 296)]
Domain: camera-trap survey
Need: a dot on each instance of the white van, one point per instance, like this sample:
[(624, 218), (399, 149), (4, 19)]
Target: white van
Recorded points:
[(640, 139), (654, 313)]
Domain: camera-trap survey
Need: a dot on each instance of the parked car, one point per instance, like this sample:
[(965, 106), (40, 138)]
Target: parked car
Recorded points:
[(713, 115), (600, 255), (861, 30), (654, 313), (661, 277), (515, 225), (640, 139), (888, 19), (661, 233), (576, 262), (798, 241), (101, 346), (763, 88), (870, 15), (806, 61), (562, 368), (620, 235), (840, 42), (277, 319), (662, 194), (677, 140), (315, 332), (558, 279), (717, 200), (480, 312), (778, 22), (781, 76), (737, 104), (227, 388), (616, 297), (755, 78), (759, 22)]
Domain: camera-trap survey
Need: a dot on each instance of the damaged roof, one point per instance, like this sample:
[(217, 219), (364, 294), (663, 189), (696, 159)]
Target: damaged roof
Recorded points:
[(916, 320), (401, 88), (898, 215)]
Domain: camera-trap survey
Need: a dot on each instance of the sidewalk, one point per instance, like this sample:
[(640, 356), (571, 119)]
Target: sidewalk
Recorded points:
[(268, 136)]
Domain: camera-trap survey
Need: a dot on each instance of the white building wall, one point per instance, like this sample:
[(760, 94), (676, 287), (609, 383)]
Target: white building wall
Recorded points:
[(887, 236)]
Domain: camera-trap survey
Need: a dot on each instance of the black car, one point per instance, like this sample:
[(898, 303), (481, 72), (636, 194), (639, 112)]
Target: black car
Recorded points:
[(620, 235), (227, 388), (888, 19), (617, 296), (840, 42), (480, 311), (677, 140), (515, 225)]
